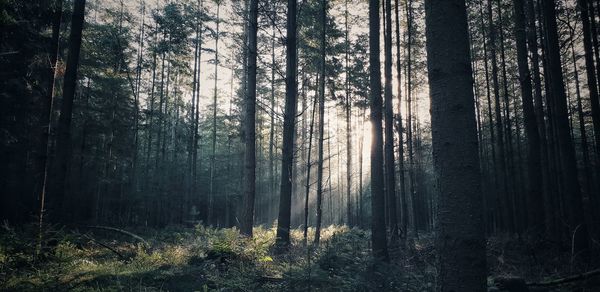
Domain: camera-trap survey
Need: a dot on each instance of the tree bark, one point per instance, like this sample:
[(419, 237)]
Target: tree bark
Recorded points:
[(348, 124), (460, 239), (57, 191), (506, 221), (322, 81), (535, 219), (308, 167), (590, 72), (403, 200), (249, 124), (566, 149), (378, 230), (390, 169), (285, 199)]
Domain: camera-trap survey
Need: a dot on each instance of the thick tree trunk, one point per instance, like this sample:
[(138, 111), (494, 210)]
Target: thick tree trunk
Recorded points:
[(495, 212), (378, 230), (584, 143), (511, 181), (506, 221), (532, 43), (63, 141), (250, 125), (566, 149), (535, 219), (460, 237), (285, 199), (590, 72)]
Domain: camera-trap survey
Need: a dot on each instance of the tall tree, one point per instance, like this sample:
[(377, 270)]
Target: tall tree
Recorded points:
[(590, 69), (409, 118), (308, 167), (535, 215), (507, 220), (460, 239), (348, 108), (249, 124), (403, 200), (532, 45), (63, 141), (390, 168), (378, 229), (322, 80), (287, 161), (566, 150), (213, 157), (46, 119)]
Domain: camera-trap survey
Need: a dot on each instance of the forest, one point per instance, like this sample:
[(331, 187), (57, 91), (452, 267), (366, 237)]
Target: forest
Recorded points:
[(300, 145)]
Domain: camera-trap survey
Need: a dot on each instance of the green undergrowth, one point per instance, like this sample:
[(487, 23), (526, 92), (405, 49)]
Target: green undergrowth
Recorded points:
[(205, 259)]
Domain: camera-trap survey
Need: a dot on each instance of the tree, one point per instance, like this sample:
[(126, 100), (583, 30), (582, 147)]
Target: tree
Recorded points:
[(378, 230), (213, 157), (506, 219), (589, 68), (63, 142), (460, 240), (566, 150), (390, 168), (403, 200), (249, 125), (45, 145), (322, 80), (287, 162), (534, 170), (348, 108)]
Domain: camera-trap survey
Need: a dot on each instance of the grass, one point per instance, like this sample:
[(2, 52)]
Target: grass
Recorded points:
[(201, 259), (208, 259)]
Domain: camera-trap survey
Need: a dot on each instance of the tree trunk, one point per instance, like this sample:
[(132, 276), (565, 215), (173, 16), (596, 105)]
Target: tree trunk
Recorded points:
[(287, 162), (539, 111), (535, 219), (46, 118), (590, 72), (348, 124), (390, 171), (400, 129), (63, 141), (584, 143), (378, 230), (322, 81), (249, 125), (460, 240), (511, 180), (211, 194), (409, 119), (308, 167), (506, 221), (566, 149)]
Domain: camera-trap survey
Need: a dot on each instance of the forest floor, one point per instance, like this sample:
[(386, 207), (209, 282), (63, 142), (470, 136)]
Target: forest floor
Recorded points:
[(205, 259)]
